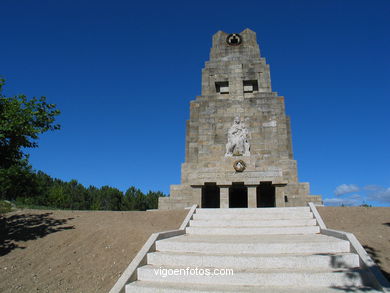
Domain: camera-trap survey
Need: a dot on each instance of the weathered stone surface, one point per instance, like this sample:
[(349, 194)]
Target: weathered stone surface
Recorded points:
[(236, 83)]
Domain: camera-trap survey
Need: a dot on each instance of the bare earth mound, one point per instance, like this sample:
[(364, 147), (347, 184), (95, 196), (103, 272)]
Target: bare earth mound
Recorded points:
[(73, 251), (370, 225)]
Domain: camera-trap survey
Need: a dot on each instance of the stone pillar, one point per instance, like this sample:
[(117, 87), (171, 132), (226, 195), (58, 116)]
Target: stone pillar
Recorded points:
[(279, 196), (223, 197), (197, 196), (252, 197), (235, 79)]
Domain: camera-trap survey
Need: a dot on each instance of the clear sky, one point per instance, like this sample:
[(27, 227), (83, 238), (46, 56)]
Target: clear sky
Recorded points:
[(123, 74)]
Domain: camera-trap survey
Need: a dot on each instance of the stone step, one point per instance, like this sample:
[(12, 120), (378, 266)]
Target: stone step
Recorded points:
[(239, 261), (252, 230), (267, 211), (254, 244), (256, 277), (268, 250), (252, 223), (155, 287), (253, 216)]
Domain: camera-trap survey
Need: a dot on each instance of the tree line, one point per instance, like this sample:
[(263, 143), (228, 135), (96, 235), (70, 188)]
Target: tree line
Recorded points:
[(22, 120), (56, 193)]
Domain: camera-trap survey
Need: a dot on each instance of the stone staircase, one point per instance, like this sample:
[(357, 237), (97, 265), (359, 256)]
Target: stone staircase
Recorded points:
[(268, 250)]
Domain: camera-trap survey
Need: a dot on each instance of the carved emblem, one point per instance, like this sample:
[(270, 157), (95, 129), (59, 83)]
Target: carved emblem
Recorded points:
[(237, 144), (233, 40), (239, 165)]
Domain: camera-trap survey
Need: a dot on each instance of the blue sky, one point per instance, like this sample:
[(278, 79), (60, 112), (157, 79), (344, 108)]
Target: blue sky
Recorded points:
[(123, 74)]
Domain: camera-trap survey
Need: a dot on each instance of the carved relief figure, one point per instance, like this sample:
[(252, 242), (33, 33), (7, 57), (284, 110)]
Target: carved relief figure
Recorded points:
[(237, 144)]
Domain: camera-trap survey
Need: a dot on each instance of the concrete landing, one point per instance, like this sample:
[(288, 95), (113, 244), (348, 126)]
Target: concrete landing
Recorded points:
[(253, 261), (243, 230), (254, 244), (282, 277), (157, 287)]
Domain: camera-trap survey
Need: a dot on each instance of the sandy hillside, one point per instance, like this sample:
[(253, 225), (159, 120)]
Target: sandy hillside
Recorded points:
[(85, 251), (73, 251), (370, 225)]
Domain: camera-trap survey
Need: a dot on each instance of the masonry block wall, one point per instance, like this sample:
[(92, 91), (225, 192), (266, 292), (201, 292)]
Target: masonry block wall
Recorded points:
[(236, 82)]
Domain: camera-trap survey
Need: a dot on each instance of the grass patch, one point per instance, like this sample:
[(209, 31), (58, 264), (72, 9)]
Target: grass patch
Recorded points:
[(5, 206)]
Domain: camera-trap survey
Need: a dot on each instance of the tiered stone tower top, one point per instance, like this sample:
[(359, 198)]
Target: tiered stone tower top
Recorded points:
[(238, 140)]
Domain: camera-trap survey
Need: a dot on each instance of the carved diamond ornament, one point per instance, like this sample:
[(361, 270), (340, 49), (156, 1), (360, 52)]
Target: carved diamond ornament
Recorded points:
[(239, 165)]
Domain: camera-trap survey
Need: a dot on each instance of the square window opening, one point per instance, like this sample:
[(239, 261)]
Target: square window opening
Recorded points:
[(250, 86), (222, 87)]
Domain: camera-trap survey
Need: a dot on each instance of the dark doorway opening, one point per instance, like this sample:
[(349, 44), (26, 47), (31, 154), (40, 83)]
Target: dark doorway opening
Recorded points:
[(210, 196), (265, 195), (238, 196)]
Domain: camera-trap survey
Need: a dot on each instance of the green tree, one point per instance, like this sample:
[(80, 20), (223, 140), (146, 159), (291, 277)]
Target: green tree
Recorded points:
[(152, 199), (111, 198), (132, 199), (94, 196), (75, 195), (21, 122), (18, 180), (56, 196)]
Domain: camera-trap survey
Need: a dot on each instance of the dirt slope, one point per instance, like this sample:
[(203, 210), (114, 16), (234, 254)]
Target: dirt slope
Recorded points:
[(73, 251), (370, 225)]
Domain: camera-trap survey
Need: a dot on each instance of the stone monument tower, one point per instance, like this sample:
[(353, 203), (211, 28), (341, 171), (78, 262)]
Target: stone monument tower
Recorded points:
[(238, 138)]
